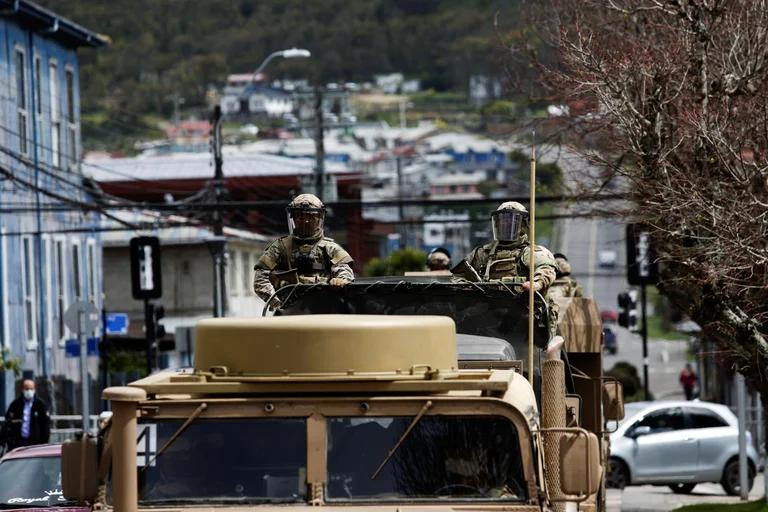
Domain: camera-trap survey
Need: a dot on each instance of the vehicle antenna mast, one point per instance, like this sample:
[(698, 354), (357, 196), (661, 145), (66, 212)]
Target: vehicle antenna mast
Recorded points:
[(531, 251)]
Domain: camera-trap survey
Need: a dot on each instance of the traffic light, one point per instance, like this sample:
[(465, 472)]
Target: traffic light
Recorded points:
[(158, 313), (628, 310)]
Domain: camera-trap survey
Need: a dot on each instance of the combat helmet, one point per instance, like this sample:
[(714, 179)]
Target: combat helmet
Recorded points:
[(439, 258), (306, 217), (563, 267), (509, 221)]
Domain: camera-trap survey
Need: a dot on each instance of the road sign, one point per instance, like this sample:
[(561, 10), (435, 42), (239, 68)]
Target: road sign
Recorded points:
[(146, 282), (117, 324), (91, 317), (72, 347)]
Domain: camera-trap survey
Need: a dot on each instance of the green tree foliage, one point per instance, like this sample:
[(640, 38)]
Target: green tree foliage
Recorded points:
[(630, 381), (397, 264), (184, 47)]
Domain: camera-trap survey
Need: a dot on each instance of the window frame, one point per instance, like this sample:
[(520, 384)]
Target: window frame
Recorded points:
[(71, 121), (92, 277), (29, 291), (77, 270), (62, 285), (46, 287), (22, 103), (55, 112), (5, 290)]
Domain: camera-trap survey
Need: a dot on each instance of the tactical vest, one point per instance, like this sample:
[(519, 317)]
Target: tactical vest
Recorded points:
[(310, 260), (503, 262)]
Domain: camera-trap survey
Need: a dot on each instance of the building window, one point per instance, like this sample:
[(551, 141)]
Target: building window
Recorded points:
[(247, 267), (38, 86), (21, 101), (28, 291), (4, 261), (93, 282), (71, 120), (77, 285), (59, 268), (53, 81), (46, 287)]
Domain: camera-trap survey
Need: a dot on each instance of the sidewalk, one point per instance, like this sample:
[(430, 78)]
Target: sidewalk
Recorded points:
[(649, 498)]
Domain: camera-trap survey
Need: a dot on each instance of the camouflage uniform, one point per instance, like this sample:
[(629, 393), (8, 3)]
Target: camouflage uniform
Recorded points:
[(564, 286), (312, 256), (316, 261), (497, 260)]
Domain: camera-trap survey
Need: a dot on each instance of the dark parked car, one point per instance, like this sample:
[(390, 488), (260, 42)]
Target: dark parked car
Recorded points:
[(30, 477)]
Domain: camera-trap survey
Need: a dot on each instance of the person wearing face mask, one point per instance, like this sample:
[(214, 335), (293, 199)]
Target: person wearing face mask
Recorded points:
[(27, 420)]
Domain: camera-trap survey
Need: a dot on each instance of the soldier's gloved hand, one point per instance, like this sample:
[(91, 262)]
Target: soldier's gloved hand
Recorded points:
[(338, 282), (536, 286), (275, 304)]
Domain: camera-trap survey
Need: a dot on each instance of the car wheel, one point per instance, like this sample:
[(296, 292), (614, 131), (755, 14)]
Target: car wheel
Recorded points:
[(730, 481), (682, 488), (618, 474)]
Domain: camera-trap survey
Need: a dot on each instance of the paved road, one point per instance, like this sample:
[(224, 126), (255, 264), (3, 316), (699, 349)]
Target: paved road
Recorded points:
[(648, 498), (581, 239)]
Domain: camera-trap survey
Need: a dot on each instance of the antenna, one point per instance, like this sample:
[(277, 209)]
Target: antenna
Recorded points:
[(531, 251)]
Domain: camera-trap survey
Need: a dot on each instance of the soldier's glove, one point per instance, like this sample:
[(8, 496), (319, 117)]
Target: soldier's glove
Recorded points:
[(338, 282), (536, 286), (275, 304)]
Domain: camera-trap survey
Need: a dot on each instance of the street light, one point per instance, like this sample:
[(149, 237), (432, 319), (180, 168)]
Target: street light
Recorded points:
[(290, 53)]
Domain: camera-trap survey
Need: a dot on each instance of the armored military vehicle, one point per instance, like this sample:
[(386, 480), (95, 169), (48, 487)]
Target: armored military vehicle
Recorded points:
[(485, 314), (368, 411)]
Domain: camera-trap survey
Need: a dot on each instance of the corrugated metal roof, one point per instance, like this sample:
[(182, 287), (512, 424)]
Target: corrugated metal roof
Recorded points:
[(180, 166)]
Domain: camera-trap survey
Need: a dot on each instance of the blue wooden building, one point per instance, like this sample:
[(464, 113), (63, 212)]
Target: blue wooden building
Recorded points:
[(48, 255)]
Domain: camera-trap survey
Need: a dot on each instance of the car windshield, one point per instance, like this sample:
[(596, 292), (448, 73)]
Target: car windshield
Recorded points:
[(33, 481), (443, 457), (221, 460), (631, 409)]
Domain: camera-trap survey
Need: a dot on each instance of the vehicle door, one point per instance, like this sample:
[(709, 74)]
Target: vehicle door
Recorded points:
[(714, 437), (665, 453)]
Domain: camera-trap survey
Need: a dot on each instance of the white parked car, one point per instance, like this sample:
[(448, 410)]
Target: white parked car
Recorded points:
[(678, 444)]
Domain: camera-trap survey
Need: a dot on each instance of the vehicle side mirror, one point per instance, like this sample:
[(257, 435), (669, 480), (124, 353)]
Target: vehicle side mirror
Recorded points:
[(642, 430), (80, 469), (613, 400), (580, 469)]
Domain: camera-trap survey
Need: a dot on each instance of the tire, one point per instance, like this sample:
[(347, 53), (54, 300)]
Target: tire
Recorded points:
[(730, 480), (618, 474), (682, 488)]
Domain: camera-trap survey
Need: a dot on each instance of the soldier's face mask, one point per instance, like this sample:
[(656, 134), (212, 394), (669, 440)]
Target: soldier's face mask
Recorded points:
[(306, 222), (508, 225)]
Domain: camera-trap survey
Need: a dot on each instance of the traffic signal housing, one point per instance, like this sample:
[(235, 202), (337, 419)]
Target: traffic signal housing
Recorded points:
[(628, 310)]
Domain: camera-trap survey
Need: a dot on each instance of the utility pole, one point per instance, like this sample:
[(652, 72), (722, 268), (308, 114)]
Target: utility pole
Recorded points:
[(400, 209), (644, 333), (319, 142), (218, 247)]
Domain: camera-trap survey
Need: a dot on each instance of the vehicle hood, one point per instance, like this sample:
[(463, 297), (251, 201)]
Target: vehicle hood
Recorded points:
[(47, 509)]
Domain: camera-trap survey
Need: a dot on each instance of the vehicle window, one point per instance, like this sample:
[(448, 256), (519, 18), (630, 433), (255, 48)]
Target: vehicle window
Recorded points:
[(223, 461), (664, 420), (33, 481), (456, 457), (704, 418)]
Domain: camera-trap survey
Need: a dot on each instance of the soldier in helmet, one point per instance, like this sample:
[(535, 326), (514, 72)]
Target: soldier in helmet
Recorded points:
[(439, 259), (564, 285), (507, 255), (305, 250)]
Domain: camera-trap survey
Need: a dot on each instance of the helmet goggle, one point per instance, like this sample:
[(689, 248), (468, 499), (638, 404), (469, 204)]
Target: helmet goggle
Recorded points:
[(306, 222), (508, 225)]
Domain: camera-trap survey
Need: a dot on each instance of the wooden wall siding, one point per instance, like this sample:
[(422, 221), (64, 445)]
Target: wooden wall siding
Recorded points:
[(38, 166)]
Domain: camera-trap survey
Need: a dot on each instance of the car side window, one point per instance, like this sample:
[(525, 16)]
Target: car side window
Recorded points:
[(664, 420), (704, 418)]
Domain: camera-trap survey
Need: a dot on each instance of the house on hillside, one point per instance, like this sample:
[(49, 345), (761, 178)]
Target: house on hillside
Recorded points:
[(48, 257)]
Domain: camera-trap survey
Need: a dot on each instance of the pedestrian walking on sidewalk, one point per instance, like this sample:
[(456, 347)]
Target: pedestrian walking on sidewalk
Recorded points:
[(689, 380)]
